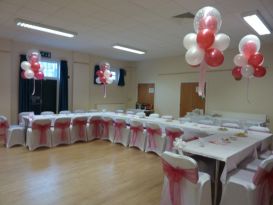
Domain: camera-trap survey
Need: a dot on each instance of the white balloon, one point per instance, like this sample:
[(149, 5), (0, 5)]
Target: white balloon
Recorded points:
[(247, 71), (98, 80), (195, 55), (35, 53), (240, 60), (221, 41), (29, 74), (249, 38), (25, 65), (107, 73), (109, 81), (190, 40)]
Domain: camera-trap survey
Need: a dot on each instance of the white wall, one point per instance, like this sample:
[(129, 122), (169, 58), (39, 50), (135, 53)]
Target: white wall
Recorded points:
[(223, 92), (9, 69)]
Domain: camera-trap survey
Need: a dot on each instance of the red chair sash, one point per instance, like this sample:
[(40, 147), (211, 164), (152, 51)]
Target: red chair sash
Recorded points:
[(106, 124), (175, 175), (172, 135), (118, 130), (42, 128), (80, 123), (62, 126), (96, 123), (264, 179), (151, 136), (135, 130), (4, 125)]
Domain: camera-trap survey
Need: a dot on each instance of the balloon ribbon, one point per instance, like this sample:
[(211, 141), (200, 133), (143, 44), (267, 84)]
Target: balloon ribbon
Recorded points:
[(33, 92), (202, 80)]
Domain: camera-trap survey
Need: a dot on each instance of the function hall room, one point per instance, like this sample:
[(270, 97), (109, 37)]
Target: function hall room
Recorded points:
[(126, 102)]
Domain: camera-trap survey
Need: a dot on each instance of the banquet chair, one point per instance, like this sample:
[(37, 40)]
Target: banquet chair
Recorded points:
[(154, 115), (171, 134), (140, 114), (65, 112), (137, 135), (183, 184), (107, 129), (78, 129), (121, 132), (249, 187), (94, 128), (266, 154), (61, 131), (39, 134), (78, 111), (47, 113), (155, 140), (11, 134), (231, 123), (22, 115)]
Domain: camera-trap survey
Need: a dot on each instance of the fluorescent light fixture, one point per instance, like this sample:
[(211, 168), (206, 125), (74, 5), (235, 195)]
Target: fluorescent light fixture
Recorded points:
[(257, 22), (44, 28), (132, 50)]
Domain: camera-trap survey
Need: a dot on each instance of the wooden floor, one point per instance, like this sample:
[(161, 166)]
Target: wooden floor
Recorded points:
[(94, 173)]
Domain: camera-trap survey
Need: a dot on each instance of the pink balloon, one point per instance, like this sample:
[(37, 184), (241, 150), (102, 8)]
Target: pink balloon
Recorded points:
[(23, 75), (249, 48), (256, 59), (39, 75), (205, 38), (214, 57), (208, 22), (35, 66)]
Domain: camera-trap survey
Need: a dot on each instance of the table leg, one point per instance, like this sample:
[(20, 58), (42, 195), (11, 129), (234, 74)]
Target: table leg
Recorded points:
[(216, 181)]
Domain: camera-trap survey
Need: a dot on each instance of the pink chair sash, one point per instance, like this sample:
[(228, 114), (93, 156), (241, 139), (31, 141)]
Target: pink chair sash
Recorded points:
[(106, 124), (135, 130), (96, 123), (172, 135), (175, 175), (151, 132), (118, 130), (264, 179), (62, 126), (4, 125), (80, 123), (42, 128)]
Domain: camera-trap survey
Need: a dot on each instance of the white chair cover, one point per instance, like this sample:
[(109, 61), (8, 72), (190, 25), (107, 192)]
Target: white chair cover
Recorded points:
[(47, 113), (107, 129), (121, 132), (39, 135), (155, 140), (16, 136), (78, 129), (137, 135), (61, 131), (21, 119), (94, 128), (248, 187), (172, 133), (4, 126), (193, 188)]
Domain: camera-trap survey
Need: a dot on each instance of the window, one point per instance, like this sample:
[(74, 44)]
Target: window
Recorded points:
[(114, 72), (51, 69)]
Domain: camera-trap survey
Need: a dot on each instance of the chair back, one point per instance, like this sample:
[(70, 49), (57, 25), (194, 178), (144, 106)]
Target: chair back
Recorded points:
[(65, 112), (79, 111), (62, 124), (63, 120), (95, 123), (179, 161), (172, 133), (154, 115), (4, 126), (40, 128), (23, 114), (135, 123), (47, 113), (79, 123), (119, 111)]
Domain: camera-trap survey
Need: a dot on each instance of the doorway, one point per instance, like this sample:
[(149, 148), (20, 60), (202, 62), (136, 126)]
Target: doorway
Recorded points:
[(189, 99), (145, 97)]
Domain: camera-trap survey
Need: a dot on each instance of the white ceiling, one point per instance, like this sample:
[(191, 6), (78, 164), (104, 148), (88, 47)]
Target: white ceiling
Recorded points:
[(143, 24)]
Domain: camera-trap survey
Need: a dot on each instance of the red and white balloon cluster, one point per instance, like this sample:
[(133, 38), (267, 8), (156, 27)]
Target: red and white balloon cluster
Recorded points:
[(206, 44), (32, 67), (104, 75), (249, 61)]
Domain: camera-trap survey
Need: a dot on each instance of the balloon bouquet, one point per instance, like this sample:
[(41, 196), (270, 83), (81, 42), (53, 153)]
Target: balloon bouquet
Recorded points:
[(104, 75), (205, 47), (249, 61), (32, 67)]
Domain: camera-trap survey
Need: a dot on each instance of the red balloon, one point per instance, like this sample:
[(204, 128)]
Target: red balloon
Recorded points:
[(205, 38), (236, 72), (35, 66), (238, 78), (23, 75), (214, 57), (208, 22), (103, 80), (256, 59), (259, 71), (39, 75), (249, 48), (100, 73)]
